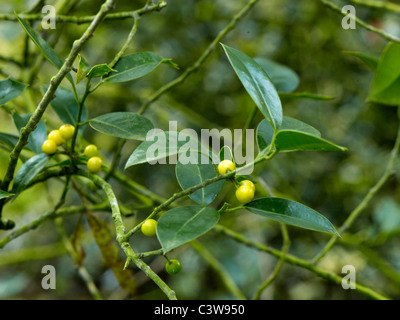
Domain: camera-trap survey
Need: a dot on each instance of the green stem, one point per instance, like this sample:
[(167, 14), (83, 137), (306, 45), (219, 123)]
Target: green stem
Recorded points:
[(275, 273), (296, 261), (361, 23), (88, 19), (389, 6)]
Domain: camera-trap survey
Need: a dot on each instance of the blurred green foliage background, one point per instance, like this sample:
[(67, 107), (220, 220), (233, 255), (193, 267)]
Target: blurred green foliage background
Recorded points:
[(305, 36)]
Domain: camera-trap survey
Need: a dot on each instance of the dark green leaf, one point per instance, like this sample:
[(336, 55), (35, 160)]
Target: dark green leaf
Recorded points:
[(265, 135), (9, 140), (181, 225), (4, 194), (66, 107), (283, 78), (28, 171), (44, 47), (189, 175), (10, 89), (292, 213), (134, 66), (258, 85), (385, 87), (126, 125), (37, 137), (296, 135)]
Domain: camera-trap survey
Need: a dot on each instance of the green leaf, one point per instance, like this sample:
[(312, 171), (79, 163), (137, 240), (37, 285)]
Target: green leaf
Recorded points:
[(126, 125), (9, 139), (10, 89), (385, 87), (44, 47), (161, 145), (258, 85), (28, 171), (4, 194), (371, 62), (264, 135), (134, 66), (189, 175), (37, 137), (181, 225), (66, 107), (99, 71), (83, 69), (283, 78), (296, 135), (110, 252), (292, 213)]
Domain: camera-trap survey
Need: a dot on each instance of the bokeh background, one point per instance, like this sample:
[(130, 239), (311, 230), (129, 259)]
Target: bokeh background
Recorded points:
[(303, 35)]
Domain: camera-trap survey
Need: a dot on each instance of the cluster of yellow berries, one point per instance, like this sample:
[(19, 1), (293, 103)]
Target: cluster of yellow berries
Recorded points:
[(246, 189), (95, 163), (57, 137)]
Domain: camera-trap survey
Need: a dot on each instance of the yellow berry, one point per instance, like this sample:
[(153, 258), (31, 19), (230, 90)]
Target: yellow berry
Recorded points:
[(226, 166), (247, 183), (149, 227), (95, 164), (67, 131), (91, 151), (49, 147), (55, 135), (245, 194)]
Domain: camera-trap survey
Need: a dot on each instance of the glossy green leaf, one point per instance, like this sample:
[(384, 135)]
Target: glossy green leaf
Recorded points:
[(257, 84), (37, 137), (66, 107), (292, 213), (4, 194), (83, 69), (181, 225), (10, 89), (385, 86), (160, 145), (110, 252), (296, 135), (134, 66), (189, 175), (293, 124), (283, 78), (126, 125), (29, 170), (43, 46), (9, 140), (371, 62)]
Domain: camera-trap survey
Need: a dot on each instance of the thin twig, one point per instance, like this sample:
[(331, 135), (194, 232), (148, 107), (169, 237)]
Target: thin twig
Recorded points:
[(361, 23)]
